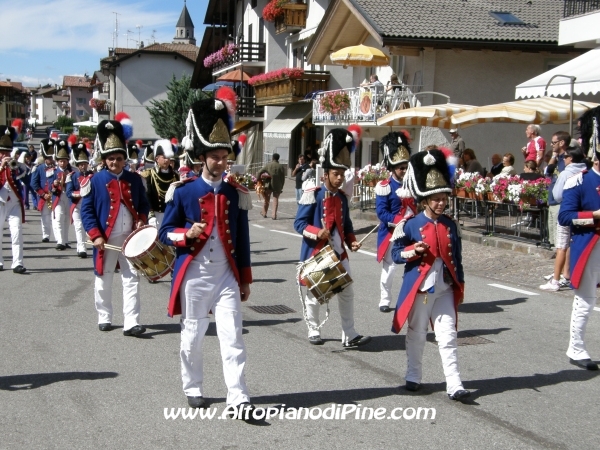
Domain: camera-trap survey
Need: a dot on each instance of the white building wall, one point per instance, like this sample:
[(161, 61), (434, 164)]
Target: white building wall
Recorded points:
[(582, 30), (142, 79)]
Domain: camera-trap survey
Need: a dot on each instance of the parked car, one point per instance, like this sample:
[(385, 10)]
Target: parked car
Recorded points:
[(54, 134), (63, 136)]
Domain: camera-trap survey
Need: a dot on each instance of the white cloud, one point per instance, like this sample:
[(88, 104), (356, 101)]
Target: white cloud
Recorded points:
[(31, 81), (80, 25)]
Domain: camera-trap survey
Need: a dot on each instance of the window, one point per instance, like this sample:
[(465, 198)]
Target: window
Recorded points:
[(80, 101), (80, 112), (261, 30), (506, 18)]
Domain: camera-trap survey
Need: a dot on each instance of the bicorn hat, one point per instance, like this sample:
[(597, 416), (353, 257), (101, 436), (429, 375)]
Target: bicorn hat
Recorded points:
[(63, 151), (80, 154), (190, 159), (164, 147), (395, 148), (429, 172), (47, 147), (337, 147), (209, 123), (8, 135), (113, 134), (133, 152)]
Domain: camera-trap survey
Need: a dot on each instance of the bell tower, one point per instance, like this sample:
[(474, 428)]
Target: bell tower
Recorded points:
[(184, 30)]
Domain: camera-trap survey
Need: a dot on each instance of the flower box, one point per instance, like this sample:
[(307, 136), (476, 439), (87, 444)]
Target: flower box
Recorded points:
[(460, 192), (287, 86), (292, 19)]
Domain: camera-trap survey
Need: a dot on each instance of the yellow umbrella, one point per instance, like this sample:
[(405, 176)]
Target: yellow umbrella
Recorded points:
[(426, 116), (359, 55), (534, 110)]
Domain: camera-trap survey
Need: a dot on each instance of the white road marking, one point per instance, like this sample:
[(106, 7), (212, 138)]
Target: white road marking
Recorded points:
[(257, 226), (285, 232), (366, 252), (520, 291)]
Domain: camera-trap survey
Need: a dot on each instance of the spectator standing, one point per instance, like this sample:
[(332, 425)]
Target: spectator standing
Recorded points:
[(277, 174), (300, 168), (536, 147), (457, 145), (560, 141), (311, 172), (471, 163)]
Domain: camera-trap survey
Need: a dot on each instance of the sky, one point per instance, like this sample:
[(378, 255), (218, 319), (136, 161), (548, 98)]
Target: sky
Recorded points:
[(43, 40)]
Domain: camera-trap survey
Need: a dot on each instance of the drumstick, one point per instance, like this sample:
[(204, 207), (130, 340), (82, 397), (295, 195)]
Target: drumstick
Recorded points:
[(106, 246), (368, 234)]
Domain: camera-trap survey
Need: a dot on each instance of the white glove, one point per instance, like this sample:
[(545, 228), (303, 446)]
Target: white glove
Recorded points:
[(152, 222)]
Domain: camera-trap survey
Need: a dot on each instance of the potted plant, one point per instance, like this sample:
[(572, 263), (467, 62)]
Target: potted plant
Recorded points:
[(335, 102), (220, 55), (273, 10), (534, 193), (279, 74), (370, 175)]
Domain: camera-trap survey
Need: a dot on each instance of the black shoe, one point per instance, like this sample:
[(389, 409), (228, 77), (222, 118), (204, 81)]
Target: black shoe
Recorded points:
[(104, 326), (82, 255), (1, 267), (67, 246), (459, 395), (584, 363), (19, 269), (196, 402), (315, 340), (358, 341), (60, 247), (385, 309), (46, 240), (412, 386), (135, 331)]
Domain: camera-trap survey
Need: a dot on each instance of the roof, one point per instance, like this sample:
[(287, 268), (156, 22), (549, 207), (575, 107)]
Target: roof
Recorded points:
[(459, 19), (217, 11), (17, 85), (76, 81), (99, 78), (185, 21), (48, 90), (60, 98), (188, 51)]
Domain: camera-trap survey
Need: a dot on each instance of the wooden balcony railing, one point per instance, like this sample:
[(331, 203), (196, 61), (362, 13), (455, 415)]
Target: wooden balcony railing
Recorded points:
[(293, 18), (247, 107), (247, 52), (286, 91)]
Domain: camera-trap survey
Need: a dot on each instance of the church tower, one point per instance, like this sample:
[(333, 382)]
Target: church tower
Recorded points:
[(184, 30)]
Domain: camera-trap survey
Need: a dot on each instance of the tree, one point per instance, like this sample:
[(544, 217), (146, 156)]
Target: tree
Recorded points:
[(169, 116)]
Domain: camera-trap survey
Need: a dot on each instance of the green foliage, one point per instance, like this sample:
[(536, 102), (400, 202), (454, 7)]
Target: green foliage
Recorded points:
[(67, 130), (88, 132), (168, 116), (64, 121)]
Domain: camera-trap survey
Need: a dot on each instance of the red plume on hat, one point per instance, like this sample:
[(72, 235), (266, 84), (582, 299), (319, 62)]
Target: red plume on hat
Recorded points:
[(126, 123), (356, 132), (242, 139), (227, 96), (72, 140), (174, 141), (17, 124), (406, 135)]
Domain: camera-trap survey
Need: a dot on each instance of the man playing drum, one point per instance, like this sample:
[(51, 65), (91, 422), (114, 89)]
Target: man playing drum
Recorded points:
[(392, 211), (324, 217), (207, 221), (114, 206)]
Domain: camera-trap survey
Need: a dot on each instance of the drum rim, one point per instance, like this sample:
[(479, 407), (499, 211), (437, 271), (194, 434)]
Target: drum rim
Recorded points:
[(133, 233)]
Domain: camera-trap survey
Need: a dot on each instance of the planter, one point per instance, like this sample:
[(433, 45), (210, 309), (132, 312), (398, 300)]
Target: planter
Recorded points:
[(292, 19), (370, 183), (471, 194), (490, 197), (286, 91), (460, 192)]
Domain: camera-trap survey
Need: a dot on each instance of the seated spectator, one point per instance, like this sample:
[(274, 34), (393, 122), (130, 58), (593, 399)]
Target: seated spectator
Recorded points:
[(508, 170), (393, 84), (377, 85), (496, 165), (471, 163), (530, 172)]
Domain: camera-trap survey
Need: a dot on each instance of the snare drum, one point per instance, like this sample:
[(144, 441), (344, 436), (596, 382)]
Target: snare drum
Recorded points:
[(143, 249), (324, 275)]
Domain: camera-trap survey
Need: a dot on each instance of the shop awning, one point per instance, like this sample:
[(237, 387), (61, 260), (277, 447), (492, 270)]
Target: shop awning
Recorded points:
[(242, 125), (586, 69), (425, 116), (282, 126)]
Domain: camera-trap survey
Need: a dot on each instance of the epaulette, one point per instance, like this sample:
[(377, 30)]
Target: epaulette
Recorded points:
[(85, 186), (34, 169), (403, 193), (171, 191), (399, 229), (574, 181), (383, 188), (145, 173), (68, 179), (309, 188), (245, 202)]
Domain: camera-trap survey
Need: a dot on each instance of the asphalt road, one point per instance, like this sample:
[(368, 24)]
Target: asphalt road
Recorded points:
[(64, 384)]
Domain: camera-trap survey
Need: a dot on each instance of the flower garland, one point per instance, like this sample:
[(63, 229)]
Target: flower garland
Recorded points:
[(278, 74), (220, 56)]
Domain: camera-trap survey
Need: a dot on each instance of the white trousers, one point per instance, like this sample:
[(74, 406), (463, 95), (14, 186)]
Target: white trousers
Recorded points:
[(345, 304), (213, 288), (60, 220), (387, 277), (583, 305), (440, 310), (158, 218), (11, 212), (130, 279), (46, 221), (79, 230)]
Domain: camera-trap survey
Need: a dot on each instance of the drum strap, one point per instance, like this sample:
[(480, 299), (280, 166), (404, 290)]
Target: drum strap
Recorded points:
[(299, 268)]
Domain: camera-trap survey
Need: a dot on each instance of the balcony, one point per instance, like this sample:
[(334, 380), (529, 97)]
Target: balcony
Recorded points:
[(578, 7), (253, 53), (579, 25), (293, 18), (285, 91), (362, 104), (247, 107)]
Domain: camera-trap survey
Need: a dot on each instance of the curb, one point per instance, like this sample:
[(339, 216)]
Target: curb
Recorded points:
[(477, 238)]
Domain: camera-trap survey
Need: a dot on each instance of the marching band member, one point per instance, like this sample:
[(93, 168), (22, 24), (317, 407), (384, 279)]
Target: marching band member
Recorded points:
[(39, 183), (60, 202), (133, 153), (11, 201), (580, 209), (324, 216), (113, 205), (207, 221), (158, 179), (392, 211), (75, 183), (433, 285)]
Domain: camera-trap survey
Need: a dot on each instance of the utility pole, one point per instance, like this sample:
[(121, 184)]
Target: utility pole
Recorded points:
[(116, 33), (127, 34)]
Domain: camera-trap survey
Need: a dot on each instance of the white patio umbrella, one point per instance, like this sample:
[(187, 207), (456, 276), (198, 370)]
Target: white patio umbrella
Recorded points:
[(426, 116)]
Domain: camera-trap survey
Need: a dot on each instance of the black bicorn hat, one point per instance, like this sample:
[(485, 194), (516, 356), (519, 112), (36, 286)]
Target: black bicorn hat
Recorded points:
[(80, 154), (8, 135), (337, 147), (47, 147), (133, 151), (395, 148), (62, 150), (113, 135), (209, 123), (428, 173)]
